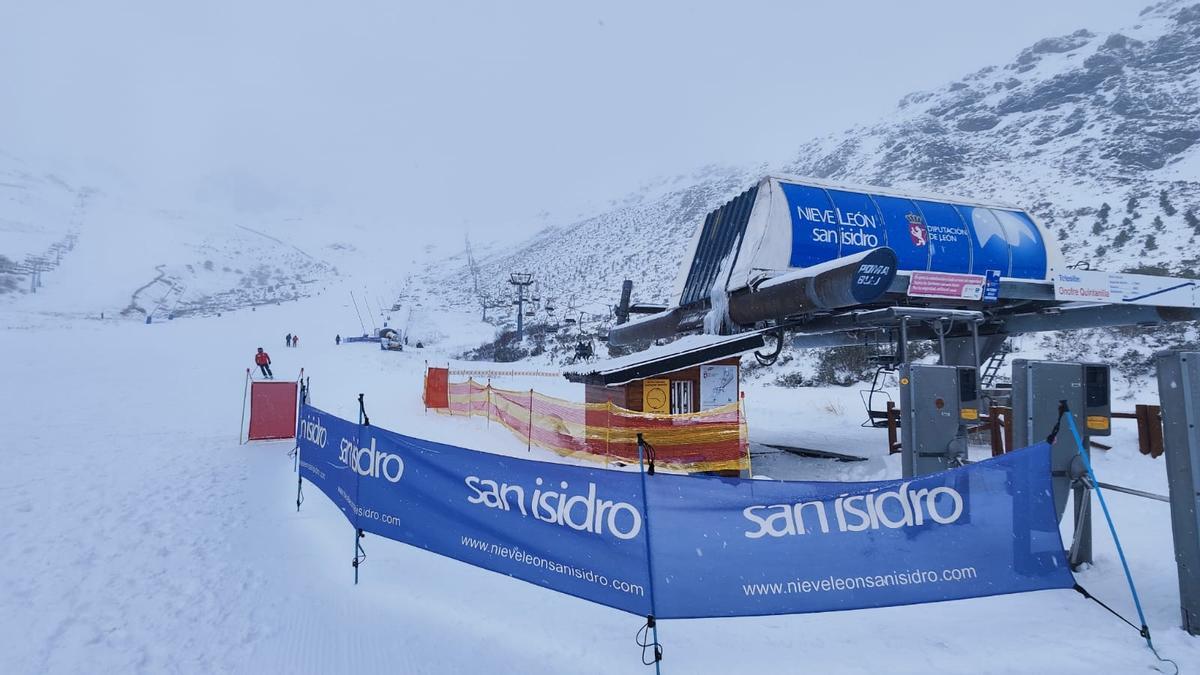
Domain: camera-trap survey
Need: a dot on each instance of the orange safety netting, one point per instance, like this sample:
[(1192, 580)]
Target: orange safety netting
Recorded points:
[(712, 440)]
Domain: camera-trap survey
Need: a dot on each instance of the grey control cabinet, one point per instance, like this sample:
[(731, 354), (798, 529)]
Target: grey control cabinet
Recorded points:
[(1179, 394), (1037, 388), (937, 403)]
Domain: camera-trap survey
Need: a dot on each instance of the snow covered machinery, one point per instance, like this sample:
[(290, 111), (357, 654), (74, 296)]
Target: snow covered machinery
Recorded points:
[(838, 265), (390, 340)]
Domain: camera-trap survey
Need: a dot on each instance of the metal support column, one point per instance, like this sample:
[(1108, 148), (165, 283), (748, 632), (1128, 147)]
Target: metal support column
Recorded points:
[(1179, 391), (1081, 512), (975, 345), (521, 280), (939, 328)]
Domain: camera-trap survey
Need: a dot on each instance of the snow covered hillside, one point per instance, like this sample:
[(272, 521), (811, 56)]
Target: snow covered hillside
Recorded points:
[(152, 260), (1098, 134), (39, 222), (1073, 123)]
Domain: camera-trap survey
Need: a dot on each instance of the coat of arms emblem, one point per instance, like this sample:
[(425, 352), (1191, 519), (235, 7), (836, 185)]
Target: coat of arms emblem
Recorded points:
[(916, 230)]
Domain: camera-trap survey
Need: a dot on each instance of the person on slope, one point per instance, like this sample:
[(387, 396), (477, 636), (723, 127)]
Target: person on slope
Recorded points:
[(263, 360), (288, 340), (337, 339), (295, 340)]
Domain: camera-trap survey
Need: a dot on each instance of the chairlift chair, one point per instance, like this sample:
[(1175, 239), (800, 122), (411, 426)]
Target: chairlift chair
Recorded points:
[(885, 361)]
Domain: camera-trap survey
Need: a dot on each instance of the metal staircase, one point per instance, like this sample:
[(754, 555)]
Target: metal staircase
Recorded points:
[(991, 369)]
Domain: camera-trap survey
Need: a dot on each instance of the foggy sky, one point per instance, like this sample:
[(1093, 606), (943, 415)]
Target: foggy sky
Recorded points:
[(434, 117)]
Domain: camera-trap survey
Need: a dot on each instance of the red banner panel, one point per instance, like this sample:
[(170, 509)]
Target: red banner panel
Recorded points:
[(272, 410), (437, 388)]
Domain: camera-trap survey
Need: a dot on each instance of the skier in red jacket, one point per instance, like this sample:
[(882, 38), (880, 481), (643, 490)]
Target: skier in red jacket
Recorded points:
[(263, 360)]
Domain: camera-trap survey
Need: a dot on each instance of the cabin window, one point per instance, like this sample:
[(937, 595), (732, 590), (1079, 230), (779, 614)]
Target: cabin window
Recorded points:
[(681, 397)]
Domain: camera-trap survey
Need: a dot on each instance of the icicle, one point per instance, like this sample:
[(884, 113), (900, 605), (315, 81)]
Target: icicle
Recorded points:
[(717, 317)]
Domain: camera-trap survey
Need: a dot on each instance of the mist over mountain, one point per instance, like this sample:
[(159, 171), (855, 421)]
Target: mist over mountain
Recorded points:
[(87, 248)]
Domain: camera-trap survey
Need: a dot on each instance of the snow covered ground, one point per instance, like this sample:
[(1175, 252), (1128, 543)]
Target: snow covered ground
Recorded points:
[(139, 536)]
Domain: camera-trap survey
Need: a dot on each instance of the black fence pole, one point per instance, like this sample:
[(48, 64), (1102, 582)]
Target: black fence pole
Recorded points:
[(359, 554), (651, 624)]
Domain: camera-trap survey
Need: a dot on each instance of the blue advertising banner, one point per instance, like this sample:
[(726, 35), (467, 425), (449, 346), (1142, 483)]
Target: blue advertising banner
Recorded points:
[(573, 529), (907, 232), (860, 226), (748, 547), (327, 444), (927, 235), (816, 225), (720, 547), (1027, 251), (949, 237), (990, 241)]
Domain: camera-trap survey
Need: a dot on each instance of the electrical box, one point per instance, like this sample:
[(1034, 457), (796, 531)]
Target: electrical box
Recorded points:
[(937, 404), (969, 399), (1038, 386), (1179, 392), (1097, 407)]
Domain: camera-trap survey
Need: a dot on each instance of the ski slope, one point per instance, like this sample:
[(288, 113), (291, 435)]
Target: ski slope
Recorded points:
[(139, 536)]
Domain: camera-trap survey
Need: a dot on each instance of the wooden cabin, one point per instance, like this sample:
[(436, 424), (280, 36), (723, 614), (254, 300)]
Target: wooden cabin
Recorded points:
[(689, 375)]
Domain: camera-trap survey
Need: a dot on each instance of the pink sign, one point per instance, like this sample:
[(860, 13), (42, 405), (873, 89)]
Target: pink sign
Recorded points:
[(945, 285)]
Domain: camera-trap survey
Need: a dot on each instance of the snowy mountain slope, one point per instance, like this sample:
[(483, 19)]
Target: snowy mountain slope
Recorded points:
[(1099, 135), (1073, 123), (102, 250), (39, 213), (581, 265)]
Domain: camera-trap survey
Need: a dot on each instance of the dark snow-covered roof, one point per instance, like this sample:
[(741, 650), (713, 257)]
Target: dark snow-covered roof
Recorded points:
[(686, 352)]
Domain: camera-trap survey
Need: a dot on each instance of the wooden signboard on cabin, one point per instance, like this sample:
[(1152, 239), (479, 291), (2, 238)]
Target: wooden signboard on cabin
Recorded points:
[(718, 386), (656, 396)]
